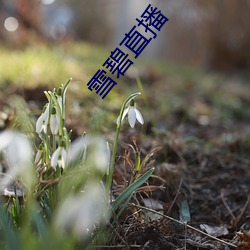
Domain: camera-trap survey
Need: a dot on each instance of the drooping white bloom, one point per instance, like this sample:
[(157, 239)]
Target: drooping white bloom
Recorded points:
[(39, 154), (77, 149), (98, 152), (54, 124), (42, 122), (79, 214), (59, 157), (54, 121), (133, 114), (17, 152)]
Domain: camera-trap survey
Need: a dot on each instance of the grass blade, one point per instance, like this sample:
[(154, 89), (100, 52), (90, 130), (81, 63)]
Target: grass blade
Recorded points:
[(128, 191)]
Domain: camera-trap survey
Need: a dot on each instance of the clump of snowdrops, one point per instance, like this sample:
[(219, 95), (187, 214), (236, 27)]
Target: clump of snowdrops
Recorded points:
[(61, 190)]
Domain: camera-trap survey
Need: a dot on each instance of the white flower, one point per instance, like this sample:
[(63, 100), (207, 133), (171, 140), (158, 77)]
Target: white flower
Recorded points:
[(133, 114), (54, 121), (98, 152), (59, 158), (17, 152), (39, 155), (42, 122), (79, 214)]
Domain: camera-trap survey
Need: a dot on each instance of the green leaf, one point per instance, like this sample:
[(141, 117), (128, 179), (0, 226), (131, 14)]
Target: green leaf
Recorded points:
[(122, 209), (138, 163), (39, 222), (129, 190), (10, 236)]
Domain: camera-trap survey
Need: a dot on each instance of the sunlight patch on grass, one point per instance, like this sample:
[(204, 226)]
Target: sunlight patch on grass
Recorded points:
[(38, 65)]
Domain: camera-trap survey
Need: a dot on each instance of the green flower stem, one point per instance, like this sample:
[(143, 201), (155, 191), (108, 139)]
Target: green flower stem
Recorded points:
[(61, 112), (52, 95), (54, 142), (66, 136), (112, 164), (47, 137), (63, 100)]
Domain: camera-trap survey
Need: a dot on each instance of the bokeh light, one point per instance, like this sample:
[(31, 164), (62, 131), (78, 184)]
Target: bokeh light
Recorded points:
[(58, 31), (47, 2), (11, 24)]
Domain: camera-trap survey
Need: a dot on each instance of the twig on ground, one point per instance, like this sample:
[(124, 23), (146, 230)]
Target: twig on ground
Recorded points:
[(227, 207), (173, 202), (184, 224), (239, 217), (116, 246)]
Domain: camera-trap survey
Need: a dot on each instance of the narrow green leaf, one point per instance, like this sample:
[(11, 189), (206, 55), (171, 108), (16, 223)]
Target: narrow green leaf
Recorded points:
[(128, 191), (39, 222), (65, 87), (10, 236), (122, 209), (138, 163)]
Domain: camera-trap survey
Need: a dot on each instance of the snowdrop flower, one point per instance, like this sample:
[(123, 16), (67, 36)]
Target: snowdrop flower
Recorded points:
[(59, 157), (17, 152), (133, 114), (42, 122), (77, 150), (39, 154), (79, 214), (54, 121), (98, 152)]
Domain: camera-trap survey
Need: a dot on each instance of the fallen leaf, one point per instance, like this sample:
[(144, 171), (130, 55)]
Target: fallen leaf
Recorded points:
[(153, 204), (215, 231), (245, 236)]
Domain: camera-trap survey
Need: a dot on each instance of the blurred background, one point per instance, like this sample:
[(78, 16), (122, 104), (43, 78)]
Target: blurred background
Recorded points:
[(213, 34)]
